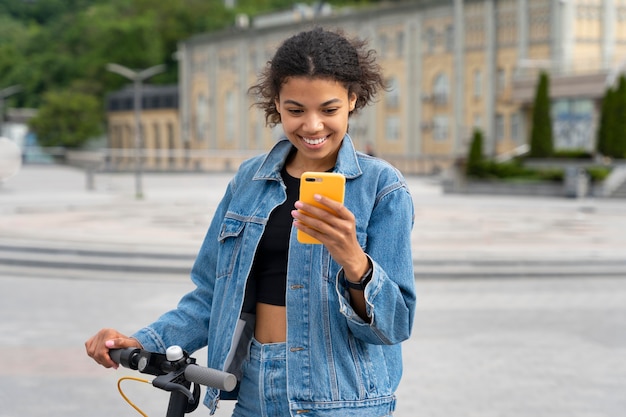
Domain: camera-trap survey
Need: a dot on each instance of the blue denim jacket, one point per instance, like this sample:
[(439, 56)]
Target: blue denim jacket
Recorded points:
[(336, 362)]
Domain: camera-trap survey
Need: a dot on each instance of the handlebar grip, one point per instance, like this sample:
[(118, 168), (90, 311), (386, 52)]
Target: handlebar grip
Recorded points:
[(127, 357), (210, 377), (116, 355)]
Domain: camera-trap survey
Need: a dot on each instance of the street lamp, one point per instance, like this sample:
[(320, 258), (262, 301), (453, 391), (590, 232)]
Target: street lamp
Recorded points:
[(137, 77), (4, 93)]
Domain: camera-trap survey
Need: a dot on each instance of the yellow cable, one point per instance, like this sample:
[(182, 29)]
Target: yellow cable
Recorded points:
[(119, 388)]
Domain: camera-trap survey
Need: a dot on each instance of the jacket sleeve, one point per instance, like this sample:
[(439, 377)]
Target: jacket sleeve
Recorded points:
[(390, 295), (187, 325)]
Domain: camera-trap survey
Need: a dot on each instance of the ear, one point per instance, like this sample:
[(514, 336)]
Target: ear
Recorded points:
[(277, 104), (352, 101)]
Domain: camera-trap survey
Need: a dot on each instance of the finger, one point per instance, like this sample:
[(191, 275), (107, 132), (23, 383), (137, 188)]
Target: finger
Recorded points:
[(333, 205), (310, 211), (306, 222), (99, 345)]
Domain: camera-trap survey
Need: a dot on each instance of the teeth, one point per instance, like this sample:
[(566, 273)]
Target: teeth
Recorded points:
[(312, 141)]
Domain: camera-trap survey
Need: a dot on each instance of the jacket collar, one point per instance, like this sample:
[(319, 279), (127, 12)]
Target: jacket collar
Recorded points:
[(347, 161)]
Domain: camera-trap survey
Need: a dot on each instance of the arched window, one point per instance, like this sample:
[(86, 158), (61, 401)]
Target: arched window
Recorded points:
[(230, 116), (201, 117), (441, 89), (430, 38), (393, 95)]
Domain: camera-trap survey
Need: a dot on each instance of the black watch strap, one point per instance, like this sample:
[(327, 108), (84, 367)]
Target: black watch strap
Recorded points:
[(365, 279)]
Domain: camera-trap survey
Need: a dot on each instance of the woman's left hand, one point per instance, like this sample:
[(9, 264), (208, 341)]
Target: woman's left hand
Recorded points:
[(335, 227)]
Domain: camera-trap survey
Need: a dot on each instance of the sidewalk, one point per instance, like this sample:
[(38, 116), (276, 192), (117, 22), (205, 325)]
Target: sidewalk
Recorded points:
[(47, 210), (548, 343)]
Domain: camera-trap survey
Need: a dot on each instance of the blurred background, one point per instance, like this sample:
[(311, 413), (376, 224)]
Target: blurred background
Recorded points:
[(121, 122)]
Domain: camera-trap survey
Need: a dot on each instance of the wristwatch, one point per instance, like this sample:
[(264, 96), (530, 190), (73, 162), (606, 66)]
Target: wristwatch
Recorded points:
[(365, 279)]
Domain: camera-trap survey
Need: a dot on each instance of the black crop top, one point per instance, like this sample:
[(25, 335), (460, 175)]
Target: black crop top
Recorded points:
[(268, 279)]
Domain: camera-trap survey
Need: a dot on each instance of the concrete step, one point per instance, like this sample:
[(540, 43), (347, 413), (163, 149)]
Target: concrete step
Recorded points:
[(95, 259), (519, 268), (30, 259)]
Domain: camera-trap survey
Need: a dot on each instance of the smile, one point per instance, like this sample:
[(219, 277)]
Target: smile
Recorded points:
[(314, 141)]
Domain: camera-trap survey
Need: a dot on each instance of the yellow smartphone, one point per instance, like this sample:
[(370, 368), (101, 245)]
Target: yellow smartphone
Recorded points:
[(328, 184)]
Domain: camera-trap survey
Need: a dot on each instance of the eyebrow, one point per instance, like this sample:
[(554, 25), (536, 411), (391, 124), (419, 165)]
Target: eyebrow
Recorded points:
[(324, 104)]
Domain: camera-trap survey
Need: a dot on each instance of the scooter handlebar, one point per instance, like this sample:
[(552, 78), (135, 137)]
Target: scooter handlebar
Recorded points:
[(210, 377), (130, 358)]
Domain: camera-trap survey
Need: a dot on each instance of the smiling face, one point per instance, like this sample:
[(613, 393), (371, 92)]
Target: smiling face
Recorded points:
[(314, 114)]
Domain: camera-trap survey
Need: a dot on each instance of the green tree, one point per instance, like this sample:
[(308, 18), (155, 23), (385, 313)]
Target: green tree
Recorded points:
[(611, 137), (541, 141), (618, 144), (67, 119), (475, 158), (64, 45), (605, 125)]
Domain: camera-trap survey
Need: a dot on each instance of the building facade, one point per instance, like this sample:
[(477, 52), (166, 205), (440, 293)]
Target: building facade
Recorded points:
[(452, 66), (160, 141)]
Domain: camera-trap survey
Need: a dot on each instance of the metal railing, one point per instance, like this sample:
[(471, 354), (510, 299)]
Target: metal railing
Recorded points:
[(166, 160)]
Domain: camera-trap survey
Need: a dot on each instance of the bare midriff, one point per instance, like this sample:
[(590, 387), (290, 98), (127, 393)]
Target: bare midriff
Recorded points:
[(271, 323)]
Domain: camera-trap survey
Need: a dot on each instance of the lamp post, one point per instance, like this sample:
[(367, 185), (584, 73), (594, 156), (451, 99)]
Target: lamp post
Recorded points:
[(4, 93), (137, 77)]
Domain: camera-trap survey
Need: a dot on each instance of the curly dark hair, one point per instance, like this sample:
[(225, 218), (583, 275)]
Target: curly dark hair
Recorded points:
[(319, 53)]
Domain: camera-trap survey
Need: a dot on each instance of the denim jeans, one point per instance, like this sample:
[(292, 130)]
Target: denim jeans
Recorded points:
[(263, 390)]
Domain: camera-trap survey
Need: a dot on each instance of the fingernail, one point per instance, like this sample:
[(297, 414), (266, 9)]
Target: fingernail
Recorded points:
[(109, 343)]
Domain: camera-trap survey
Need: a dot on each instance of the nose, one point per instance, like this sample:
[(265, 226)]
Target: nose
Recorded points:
[(313, 123)]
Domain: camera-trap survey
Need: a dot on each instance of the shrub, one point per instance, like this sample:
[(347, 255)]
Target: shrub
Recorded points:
[(514, 170), (598, 173), (475, 158), (572, 154), (541, 141)]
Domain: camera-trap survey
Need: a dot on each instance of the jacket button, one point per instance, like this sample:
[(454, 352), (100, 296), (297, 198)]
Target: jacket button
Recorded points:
[(296, 349)]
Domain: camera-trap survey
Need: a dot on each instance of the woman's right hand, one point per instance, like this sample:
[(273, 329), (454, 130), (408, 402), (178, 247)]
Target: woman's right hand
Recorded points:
[(98, 346)]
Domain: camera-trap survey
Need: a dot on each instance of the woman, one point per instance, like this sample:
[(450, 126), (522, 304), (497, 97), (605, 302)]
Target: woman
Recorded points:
[(308, 329)]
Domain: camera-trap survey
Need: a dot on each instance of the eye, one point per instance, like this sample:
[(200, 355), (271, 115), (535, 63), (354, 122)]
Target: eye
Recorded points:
[(295, 111), (331, 110)]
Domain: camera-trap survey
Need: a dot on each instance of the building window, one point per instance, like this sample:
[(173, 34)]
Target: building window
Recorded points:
[(573, 124), (383, 45), (441, 89), (441, 127), (201, 117), (501, 79), (392, 128), (499, 127), (171, 143), (393, 94), (157, 135), (478, 121), (230, 116), (449, 38), (431, 39), (400, 44), (516, 127), (478, 84)]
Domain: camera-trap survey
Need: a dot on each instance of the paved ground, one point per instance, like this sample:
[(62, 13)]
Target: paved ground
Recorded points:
[(522, 301)]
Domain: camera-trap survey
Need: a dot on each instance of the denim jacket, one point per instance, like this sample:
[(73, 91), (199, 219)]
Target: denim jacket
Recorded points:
[(337, 364)]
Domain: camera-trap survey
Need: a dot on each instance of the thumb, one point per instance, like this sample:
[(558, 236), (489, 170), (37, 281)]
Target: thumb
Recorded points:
[(121, 343)]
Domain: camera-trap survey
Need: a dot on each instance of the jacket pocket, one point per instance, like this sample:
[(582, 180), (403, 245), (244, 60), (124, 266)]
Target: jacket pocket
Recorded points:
[(230, 239)]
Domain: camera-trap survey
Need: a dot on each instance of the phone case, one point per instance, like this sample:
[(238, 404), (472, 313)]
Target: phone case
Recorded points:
[(328, 184)]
